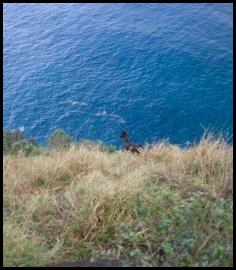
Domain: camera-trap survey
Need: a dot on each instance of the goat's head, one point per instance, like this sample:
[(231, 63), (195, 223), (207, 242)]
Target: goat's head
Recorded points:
[(124, 134)]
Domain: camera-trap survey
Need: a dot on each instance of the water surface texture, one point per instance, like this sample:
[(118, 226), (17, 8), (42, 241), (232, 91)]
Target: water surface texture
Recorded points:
[(156, 70)]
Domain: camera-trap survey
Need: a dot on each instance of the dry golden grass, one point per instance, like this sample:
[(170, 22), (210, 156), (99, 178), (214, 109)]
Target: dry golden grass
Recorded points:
[(73, 203)]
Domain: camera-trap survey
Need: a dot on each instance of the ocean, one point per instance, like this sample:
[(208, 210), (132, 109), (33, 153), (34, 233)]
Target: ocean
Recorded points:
[(159, 71)]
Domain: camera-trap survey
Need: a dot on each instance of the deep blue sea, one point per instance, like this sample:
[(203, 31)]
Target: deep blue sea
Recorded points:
[(157, 70)]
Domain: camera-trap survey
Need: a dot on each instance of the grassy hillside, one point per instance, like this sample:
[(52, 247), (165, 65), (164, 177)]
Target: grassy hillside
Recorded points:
[(166, 207)]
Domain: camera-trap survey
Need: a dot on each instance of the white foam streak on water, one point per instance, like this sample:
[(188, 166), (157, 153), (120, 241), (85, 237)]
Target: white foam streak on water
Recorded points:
[(104, 113), (77, 103)]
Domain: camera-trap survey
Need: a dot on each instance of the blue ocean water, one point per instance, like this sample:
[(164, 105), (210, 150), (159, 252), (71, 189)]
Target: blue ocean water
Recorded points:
[(157, 70)]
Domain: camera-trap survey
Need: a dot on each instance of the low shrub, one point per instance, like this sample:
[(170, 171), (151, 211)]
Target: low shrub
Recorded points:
[(59, 140), (15, 143)]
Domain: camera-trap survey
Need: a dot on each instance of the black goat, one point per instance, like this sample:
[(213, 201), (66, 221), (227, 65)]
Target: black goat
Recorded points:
[(128, 145)]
